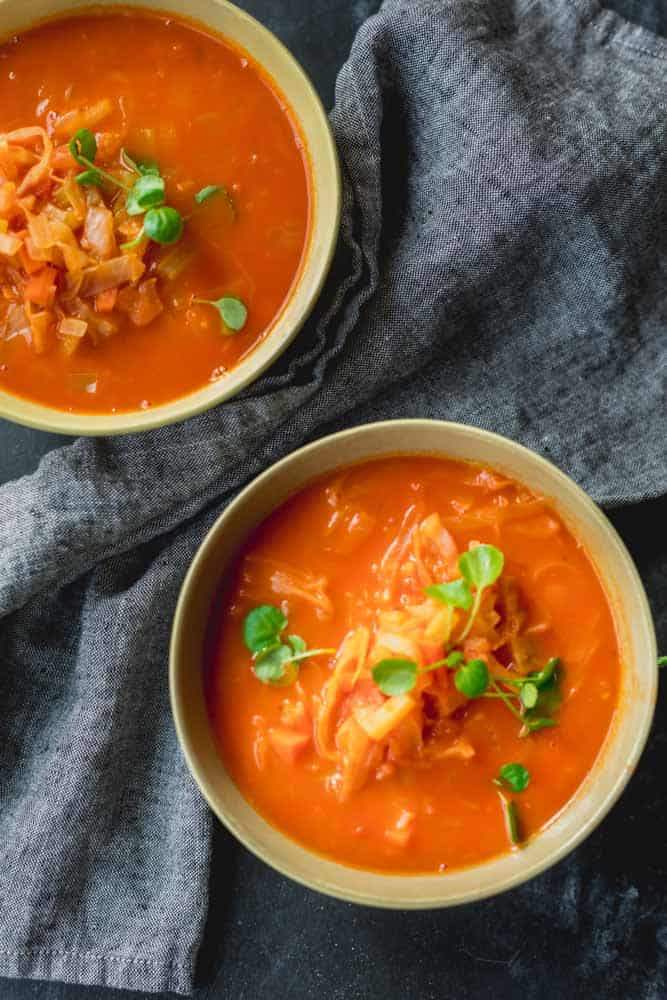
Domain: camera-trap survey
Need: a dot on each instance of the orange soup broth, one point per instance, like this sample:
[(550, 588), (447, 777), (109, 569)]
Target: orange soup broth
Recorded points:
[(208, 115), (459, 817)]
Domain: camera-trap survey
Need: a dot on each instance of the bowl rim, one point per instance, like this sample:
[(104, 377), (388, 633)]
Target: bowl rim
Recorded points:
[(39, 416), (410, 901)]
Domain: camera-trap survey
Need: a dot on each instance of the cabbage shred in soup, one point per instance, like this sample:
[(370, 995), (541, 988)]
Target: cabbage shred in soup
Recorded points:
[(413, 666), (154, 207)]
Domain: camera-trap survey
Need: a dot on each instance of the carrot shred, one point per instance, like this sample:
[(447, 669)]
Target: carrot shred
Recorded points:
[(40, 287), (106, 301)]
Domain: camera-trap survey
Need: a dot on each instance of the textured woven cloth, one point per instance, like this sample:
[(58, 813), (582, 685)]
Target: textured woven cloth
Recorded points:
[(502, 262)]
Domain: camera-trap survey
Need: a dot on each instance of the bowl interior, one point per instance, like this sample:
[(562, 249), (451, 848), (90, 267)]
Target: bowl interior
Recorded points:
[(289, 79), (632, 618)]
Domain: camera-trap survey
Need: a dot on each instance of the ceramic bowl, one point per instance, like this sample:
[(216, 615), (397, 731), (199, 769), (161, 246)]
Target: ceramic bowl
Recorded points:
[(289, 79), (616, 570)]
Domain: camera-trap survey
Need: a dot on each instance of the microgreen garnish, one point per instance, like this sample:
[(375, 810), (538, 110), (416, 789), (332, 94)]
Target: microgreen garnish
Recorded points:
[(398, 676), (528, 698), (233, 312), (480, 567), (516, 776), (262, 626), (457, 594), (83, 147), (89, 178), (472, 678), (212, 189), (163, 225), (147, 192), (395, 676), (511, 820), (662, 662), (528, 693), (274, 661)]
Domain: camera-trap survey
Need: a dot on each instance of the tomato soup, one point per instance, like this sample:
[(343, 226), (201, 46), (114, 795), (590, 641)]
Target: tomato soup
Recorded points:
[(412, 666), (154, 210)]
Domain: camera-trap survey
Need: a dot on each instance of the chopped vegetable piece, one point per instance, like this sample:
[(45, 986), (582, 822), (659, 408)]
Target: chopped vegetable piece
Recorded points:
[(378, 722), (40, 287), (9, 245), (70, 327), (287, 743)]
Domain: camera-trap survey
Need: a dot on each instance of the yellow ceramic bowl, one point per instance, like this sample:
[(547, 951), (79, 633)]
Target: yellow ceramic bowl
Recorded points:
[(615, 763), (290, 80)]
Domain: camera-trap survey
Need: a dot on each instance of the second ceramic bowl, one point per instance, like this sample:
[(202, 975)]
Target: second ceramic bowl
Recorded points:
[(616, 570)]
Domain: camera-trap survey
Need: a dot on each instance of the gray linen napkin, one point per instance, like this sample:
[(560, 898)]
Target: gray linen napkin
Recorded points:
[(502, 262)]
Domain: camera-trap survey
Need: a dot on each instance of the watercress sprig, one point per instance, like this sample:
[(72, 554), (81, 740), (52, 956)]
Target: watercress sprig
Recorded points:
[(274, 661), (83, 148), (216, 189), (398, 676), (516, 776), (162, 223), (233, 312)]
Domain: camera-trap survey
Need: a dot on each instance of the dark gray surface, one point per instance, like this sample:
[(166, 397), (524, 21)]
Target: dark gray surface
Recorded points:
[(269, 938)]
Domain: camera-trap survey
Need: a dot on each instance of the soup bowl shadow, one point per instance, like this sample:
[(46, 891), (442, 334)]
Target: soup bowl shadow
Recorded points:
[(616, 760), (290, 81)]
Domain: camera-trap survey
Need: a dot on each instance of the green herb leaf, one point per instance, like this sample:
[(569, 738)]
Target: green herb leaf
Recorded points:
[(482, 565), (208, 192), (262, 626), (233, 312), (457, 594), (163, 225), (511, 820), (546, 675), (515, 775), (147, 192), (534, 725), (472, 678), (297, 643), (89, 178), (662, 662), (454, 659), (395, 676), (271, 666), (83, 146), (529, 694)]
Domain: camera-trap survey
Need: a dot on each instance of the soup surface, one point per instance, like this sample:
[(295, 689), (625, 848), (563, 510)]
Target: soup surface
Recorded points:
[(96, 315), (457, 628)]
